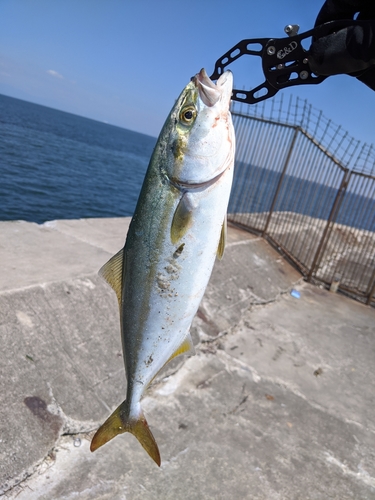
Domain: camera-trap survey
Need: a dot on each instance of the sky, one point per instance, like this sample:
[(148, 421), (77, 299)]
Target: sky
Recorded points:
[(125, 62)]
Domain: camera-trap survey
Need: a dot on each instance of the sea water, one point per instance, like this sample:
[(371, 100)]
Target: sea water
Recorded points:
[(56, 165)]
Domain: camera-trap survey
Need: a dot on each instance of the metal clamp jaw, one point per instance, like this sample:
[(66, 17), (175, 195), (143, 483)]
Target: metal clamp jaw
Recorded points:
[(284, 61)]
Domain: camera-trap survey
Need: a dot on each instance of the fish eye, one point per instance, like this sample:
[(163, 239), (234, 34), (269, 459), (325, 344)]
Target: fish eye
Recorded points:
[(187, 115)]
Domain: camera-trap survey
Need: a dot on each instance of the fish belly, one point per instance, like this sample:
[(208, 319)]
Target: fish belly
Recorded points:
[(161, 301)]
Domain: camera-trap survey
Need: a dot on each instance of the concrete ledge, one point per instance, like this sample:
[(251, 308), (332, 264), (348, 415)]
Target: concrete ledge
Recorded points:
[(277, 403)]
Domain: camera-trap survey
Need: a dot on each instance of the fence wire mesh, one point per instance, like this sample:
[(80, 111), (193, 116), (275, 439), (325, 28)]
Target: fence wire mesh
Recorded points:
[(307, 186)]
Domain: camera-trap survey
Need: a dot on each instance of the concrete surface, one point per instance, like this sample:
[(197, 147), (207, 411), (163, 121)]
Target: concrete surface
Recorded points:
[(278, 403)]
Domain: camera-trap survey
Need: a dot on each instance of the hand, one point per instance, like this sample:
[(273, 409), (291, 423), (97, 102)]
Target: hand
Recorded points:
[(350, 50)]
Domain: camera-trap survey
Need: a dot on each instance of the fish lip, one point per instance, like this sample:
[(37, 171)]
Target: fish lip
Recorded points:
[(209, 92), (185, 186)]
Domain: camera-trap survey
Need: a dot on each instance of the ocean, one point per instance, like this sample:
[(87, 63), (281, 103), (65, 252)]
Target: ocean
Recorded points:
[(56, 165)]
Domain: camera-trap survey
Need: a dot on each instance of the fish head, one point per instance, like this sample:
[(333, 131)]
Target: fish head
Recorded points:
[(201, 136)]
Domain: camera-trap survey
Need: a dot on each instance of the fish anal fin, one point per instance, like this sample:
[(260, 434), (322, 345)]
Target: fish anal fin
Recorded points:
[(187, 347), (112, 273), (182, 219), (118, 423), (223, 239)]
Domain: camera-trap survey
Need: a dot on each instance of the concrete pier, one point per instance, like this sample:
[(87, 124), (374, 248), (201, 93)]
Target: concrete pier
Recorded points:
[(278, 402)]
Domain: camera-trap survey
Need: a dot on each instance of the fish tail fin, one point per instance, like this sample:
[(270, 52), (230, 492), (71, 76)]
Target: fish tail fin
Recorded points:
[(120, 422), (142, 432)]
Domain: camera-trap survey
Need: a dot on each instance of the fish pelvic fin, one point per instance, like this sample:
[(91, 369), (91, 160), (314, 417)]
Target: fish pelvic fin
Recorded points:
[(118, 423), (182, 219)]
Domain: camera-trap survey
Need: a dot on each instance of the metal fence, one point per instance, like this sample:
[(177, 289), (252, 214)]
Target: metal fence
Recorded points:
[(309, 188)]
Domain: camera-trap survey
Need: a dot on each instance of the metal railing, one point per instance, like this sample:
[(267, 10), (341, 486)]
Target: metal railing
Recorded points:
[(309, 188)]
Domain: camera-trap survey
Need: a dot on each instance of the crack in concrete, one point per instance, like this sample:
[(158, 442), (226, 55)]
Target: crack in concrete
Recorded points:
[(69, 427), (40, 467), (228, 359), (175, 457), (362, 475)]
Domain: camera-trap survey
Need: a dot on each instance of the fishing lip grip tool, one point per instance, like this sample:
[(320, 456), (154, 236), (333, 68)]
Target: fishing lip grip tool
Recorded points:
[(285, 62)]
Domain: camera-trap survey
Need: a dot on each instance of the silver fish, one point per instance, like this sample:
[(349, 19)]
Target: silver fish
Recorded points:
[(178, 229)]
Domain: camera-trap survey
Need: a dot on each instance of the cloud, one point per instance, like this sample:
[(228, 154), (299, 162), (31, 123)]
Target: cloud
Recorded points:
[(54, 73)]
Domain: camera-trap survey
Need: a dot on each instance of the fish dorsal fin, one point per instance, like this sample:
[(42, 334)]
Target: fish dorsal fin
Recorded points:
[(182, 219), (187, 347), (223, 239), (112, 273)]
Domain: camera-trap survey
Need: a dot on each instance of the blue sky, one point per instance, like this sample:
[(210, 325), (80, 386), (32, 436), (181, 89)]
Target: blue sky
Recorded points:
[(125, 61)]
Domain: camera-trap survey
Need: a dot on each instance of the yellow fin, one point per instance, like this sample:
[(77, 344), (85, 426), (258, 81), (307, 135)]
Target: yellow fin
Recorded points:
[(182, 219), (119, 423), (112, 273), (187, 347), (223, 239)]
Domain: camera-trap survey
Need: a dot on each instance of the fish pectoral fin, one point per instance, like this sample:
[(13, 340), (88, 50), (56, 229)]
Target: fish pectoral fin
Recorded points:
[(182, 219), (187, 347), (119, 423), (223, 239), (112, 273)]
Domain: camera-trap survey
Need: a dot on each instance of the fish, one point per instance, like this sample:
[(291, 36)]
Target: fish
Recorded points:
[(177, 231)]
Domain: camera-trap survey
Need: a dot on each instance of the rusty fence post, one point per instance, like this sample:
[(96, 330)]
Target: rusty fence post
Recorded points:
[(331, 220), (279, 184)]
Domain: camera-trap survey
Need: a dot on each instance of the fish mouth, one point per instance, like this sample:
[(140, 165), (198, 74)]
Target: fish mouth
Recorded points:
[(211, 93)]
